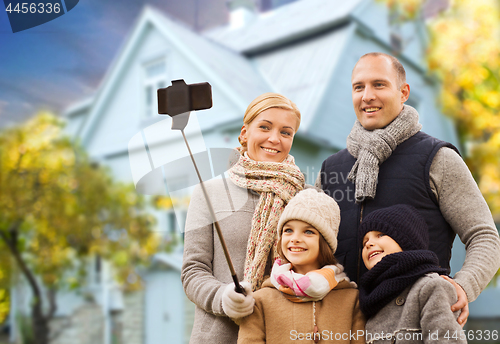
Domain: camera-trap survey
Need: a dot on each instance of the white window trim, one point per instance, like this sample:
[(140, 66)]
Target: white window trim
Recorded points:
[(152, 82)]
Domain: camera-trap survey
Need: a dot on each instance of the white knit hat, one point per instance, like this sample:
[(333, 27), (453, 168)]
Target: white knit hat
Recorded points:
[(317, 209)]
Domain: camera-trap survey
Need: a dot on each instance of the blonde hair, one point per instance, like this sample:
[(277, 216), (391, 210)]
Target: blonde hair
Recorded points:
[(267, 101)]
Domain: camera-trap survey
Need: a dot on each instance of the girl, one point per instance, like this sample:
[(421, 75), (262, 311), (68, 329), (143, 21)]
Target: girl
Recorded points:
[(248, 206), (307, 297), (402, 294)]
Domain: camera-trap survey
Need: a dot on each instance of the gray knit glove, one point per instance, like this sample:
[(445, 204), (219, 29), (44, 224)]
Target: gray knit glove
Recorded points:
[(237, 305)]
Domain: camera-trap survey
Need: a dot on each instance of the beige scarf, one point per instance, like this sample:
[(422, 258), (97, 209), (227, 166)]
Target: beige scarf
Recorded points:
[(277, 183)]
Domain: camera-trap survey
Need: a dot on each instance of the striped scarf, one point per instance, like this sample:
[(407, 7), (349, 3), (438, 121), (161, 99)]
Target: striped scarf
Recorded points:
[(277, 183), (313, 286)]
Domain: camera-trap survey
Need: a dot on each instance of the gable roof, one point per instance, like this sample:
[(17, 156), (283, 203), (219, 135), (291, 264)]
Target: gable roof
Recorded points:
[(286, 24), (235, 77), (303, 71), (233, 69), (170, 260), (294, 50)]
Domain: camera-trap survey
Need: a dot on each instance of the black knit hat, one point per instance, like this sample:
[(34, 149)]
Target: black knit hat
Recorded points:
[(401, 222)]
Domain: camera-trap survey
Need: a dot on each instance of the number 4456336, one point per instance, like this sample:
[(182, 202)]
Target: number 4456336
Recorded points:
[(472, 335), (34, 8)]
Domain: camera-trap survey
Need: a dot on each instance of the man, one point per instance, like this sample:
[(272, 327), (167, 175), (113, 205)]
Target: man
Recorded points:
[(389, 161)]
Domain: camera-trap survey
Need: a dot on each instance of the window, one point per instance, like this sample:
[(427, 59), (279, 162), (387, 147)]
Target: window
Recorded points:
[(154, 77), (95, 270)]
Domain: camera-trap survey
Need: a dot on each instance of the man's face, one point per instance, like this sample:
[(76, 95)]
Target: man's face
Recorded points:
[(375, 95)]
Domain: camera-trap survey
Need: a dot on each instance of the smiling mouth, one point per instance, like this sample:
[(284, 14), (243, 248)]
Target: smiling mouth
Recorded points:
[(371, 109), (374, 254), (296, 249), (269, 150)]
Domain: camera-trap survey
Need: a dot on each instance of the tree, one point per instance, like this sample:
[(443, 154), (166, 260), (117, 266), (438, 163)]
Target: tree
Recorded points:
[(464, 53), (58, 208), (5, 274)]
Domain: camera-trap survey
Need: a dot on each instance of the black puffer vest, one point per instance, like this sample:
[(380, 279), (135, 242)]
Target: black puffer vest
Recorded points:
[(403, 179)]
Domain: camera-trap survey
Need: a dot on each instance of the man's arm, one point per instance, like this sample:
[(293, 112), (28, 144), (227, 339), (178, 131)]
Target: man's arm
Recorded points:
[(465, 209), (436, 318)]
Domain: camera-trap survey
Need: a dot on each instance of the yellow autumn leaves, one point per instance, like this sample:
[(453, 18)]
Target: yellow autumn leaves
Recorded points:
[(464, 52), (59, 207)]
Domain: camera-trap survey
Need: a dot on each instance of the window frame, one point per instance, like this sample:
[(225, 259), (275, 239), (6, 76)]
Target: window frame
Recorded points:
[(154, 82)]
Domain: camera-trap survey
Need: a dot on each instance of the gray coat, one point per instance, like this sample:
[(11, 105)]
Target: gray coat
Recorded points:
[(420, 314), (204, 268)]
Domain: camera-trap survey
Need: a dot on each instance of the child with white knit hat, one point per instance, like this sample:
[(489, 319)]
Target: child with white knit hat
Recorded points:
[(308, 296)]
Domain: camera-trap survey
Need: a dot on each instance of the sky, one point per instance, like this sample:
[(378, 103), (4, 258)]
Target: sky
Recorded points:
[(56, 64)]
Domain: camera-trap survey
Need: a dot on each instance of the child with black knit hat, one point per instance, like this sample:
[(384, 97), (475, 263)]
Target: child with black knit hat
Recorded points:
[(308, 297), (402, 295)]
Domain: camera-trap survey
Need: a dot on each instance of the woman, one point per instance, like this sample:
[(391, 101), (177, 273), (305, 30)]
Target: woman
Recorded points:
[(248, 207)]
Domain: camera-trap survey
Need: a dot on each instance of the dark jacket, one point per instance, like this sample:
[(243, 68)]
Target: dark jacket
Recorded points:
[(403, 179)]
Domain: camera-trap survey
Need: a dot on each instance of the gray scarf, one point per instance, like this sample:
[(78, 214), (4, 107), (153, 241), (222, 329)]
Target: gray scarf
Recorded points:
[(373, 147)]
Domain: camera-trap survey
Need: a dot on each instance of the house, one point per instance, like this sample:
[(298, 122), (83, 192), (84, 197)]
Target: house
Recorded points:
[(304, 50)]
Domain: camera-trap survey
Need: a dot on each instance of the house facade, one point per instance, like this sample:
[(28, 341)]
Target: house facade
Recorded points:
[(304, 50)]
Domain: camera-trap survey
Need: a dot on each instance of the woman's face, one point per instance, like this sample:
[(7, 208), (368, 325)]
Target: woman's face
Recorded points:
[(269, 136)]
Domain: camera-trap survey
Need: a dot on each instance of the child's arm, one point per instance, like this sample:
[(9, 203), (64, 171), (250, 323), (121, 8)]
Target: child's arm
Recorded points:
[(358, 324), (252, 327), (439, 324)]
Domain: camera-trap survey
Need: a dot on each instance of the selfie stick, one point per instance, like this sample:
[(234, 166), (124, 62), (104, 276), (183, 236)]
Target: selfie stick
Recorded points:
[(178, 101)]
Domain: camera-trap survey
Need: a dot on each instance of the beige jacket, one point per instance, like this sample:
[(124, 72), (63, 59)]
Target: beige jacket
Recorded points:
[(277, 320)]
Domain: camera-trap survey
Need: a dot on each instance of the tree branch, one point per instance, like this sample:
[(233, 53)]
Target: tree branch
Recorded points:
[(12, 246), (51, 295)]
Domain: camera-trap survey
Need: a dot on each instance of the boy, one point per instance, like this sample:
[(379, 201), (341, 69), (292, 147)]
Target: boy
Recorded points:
[(402, 294)]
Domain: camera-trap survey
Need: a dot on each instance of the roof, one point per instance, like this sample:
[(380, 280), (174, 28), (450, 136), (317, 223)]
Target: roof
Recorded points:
[(285, 24), (303, 71), (171, 260), (235, 70), (235, 78), (294, 50), (79, 107)]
